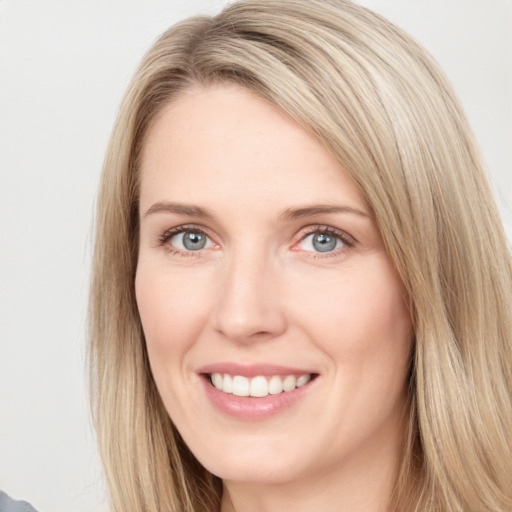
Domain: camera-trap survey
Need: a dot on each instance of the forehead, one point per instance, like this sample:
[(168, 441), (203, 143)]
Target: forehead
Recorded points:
[(224, 142)]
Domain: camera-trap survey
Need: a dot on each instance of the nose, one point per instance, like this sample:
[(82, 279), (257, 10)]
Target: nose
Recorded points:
[(250, 305)]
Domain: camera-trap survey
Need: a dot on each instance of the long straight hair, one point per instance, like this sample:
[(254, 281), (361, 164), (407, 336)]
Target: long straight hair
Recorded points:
[(384, 110)]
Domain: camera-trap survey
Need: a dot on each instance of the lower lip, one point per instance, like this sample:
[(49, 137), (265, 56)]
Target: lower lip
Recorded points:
[(254, 408)]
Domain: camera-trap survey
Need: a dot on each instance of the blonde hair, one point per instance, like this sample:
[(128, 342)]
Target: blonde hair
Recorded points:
[(384, 110)]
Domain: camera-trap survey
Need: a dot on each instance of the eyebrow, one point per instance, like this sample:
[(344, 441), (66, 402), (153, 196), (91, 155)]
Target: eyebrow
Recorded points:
[(181, 209), (310, 211), (287, 214)]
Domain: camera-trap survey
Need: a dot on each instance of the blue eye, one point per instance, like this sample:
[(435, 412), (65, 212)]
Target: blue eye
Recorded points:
[(321, 242), (190, 241)]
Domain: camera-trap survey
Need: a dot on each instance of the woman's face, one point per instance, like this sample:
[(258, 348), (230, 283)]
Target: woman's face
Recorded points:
[(261, 268)]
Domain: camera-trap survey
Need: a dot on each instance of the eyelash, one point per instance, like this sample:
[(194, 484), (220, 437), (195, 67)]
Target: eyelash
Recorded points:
[(168, 234), (347, 240)]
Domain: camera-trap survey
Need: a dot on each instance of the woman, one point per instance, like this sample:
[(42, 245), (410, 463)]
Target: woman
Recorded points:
[(301, 288)]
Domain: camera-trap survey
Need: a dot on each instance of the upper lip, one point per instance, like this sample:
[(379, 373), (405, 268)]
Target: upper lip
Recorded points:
[(252, 370)]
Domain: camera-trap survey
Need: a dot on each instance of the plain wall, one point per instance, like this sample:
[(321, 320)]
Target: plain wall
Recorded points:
[(63, 68)]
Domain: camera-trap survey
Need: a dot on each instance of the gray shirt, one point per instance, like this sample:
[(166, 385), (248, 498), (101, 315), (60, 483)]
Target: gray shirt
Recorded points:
[(9, 505)]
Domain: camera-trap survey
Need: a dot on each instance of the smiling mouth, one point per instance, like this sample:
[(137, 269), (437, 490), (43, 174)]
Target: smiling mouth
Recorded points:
[(259, 386)]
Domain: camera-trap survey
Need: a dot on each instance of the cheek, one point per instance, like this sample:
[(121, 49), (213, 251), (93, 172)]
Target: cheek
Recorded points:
[(364, 327), (360, 318), (172, 310)]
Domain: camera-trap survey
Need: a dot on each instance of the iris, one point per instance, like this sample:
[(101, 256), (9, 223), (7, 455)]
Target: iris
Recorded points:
[(193, 241), (323, 242)]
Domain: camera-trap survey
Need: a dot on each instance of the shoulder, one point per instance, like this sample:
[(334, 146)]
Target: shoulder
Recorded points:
[(9, 505)]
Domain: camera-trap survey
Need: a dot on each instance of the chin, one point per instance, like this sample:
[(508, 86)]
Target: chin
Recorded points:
[(252, 463), (255, 472)]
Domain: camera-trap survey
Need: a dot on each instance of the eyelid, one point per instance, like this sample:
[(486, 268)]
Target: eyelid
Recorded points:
[(348, 240), (168, 234)]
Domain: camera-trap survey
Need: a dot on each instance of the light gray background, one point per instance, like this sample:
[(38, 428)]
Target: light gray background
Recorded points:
[(63, 68)]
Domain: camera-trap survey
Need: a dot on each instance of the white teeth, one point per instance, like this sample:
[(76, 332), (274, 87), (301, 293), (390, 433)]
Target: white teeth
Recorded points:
[(275, 385), (227, 384), (240, 386), (257, 386), (303, 379), (217, 380), (289, 383)]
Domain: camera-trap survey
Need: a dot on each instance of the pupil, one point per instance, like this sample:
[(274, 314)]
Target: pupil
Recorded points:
[(194, 241), (323, 242)]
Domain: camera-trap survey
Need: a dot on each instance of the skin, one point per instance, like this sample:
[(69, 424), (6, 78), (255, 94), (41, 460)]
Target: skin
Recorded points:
[(259, 292)]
